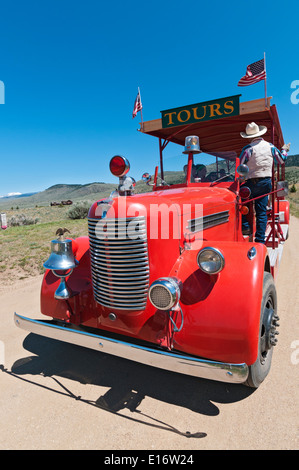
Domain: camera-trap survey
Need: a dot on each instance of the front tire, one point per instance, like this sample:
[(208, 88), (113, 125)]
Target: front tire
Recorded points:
[(267, 332)]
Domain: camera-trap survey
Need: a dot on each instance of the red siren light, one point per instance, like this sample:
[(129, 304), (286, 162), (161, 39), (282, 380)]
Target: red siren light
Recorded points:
[(119, 166)]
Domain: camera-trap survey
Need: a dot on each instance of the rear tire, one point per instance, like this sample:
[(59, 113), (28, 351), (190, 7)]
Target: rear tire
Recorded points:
[(268, 323)]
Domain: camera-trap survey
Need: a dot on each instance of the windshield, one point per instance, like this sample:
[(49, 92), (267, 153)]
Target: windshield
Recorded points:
[(205, 168)]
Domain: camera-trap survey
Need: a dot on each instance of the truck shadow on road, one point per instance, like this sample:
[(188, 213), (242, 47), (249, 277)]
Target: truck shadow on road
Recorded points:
[(128, 383)]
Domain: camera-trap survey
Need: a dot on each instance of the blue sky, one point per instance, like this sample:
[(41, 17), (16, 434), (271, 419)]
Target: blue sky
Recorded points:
[(71, 70)]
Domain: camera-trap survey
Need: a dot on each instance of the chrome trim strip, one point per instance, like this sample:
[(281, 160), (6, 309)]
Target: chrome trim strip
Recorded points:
[(126, 287), (128, 256), (116, 280), (175, 362), (208, 221), (117, 268), (94, 220), (118, 272), (116, 241)]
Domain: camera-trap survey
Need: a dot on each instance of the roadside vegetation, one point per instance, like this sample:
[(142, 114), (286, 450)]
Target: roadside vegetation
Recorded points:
[(292, 176), (294, 199), (25, 246)]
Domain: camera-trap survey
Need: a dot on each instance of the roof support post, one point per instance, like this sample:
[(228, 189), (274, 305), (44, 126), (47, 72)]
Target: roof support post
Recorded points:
[(161, 147)]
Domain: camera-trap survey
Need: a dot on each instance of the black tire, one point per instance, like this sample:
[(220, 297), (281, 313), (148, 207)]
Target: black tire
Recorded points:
[(260, 369)]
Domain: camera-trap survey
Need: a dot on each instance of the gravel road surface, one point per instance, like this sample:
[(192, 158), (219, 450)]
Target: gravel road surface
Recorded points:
[(60, 396)]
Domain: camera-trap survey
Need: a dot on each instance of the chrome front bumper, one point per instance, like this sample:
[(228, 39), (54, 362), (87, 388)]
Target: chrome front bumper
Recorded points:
[(175, 362)]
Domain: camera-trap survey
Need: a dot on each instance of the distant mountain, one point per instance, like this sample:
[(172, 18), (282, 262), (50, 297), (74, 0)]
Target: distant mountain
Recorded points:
[(14, 196), (60, 192), (292, 160)]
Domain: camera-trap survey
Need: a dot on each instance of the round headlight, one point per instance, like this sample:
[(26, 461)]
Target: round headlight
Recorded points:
[(210, 260), (164, 293)]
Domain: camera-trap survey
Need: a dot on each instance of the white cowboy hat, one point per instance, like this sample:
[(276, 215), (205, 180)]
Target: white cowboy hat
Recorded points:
[(253, 130)]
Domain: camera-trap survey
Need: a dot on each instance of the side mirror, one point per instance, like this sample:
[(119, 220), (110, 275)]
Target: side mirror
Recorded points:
[(243, 170), (282, 188)]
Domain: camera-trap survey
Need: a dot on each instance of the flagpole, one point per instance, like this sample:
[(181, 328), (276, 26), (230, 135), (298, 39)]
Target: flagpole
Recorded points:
[(141, 110), (266, 104)]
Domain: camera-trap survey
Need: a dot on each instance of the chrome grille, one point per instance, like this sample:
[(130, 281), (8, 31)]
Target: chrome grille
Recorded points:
[(119, 262)]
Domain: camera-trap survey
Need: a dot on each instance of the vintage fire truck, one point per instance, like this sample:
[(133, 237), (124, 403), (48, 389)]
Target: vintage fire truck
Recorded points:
[(166, 277)]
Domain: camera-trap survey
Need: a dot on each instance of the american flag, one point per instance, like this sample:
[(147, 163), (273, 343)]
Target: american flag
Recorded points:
[(254, 73), (137, 105)]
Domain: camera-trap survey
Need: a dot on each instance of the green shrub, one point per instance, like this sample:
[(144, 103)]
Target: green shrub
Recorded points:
[(79, 210), (293, 189)]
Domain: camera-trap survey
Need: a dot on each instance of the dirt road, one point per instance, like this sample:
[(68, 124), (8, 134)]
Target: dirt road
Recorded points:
[(59, 396)]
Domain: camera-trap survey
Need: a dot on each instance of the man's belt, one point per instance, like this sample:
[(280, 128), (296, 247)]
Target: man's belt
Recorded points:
[(256, 180)]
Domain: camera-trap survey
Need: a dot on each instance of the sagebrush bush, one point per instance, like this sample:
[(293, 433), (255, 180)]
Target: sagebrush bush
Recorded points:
[(21, 219), (79, 210)]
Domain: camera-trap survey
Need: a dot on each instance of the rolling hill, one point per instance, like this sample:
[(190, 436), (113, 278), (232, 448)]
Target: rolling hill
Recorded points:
[(61, 192)]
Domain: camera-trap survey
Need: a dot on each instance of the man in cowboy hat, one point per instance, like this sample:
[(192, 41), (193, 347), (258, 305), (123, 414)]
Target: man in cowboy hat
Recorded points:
[(258, 156)]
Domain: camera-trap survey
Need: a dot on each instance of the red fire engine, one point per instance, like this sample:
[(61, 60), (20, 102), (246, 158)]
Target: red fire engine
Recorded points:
[(166, 277)]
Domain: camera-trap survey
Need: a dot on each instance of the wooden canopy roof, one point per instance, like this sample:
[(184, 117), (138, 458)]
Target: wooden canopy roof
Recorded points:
[(223, 135)]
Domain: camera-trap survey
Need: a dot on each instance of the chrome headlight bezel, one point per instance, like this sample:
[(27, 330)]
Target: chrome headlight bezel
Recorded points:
[(209, 256), (173, 288)]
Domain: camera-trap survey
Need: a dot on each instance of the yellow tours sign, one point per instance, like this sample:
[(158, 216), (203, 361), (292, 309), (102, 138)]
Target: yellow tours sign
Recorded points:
[(205, 111)]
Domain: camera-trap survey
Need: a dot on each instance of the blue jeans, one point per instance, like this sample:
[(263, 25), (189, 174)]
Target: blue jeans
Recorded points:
[(262, 186)]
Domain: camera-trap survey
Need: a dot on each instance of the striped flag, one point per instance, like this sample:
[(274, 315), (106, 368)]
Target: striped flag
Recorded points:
[(255, 72), (137, 105)]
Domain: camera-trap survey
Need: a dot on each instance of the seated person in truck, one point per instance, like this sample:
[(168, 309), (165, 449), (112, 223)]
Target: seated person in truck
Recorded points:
[(212, 176), (258, 156), (201, 172), (193, 172), (222, 173), (198, 171)]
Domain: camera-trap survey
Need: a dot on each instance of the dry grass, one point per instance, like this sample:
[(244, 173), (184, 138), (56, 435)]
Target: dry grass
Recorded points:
[(24, 249), (294, 200)]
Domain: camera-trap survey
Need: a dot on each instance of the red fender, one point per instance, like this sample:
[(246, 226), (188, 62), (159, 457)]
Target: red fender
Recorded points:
[(222, 311)]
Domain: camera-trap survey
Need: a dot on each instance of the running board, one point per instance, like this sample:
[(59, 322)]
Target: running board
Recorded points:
[(171, 361)]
